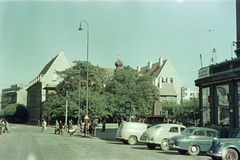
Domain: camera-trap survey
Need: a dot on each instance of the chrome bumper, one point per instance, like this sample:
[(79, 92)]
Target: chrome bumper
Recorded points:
[(145, 141), (173, 146), (210, 153)]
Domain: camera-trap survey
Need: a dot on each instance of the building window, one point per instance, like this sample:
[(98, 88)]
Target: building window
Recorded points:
[(163, 80), (223, 104), (205, 106), (238, 103), (166, 80), (171, 80)]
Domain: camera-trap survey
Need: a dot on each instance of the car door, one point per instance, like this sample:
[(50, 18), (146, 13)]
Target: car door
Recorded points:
[(199, 139), (210, 135)]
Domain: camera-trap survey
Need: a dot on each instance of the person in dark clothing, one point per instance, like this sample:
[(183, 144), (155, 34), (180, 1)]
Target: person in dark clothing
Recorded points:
[(224, 131), (103, 125), (60, 127), (1, 126)]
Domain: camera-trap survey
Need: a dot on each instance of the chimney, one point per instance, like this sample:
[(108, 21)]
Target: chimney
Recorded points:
[(149, 65), (237, 51), (138, 69), (160, 62)]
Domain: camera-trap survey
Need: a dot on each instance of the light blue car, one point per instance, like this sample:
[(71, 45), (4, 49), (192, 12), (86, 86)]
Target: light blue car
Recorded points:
[(225, 148), (193, 140)]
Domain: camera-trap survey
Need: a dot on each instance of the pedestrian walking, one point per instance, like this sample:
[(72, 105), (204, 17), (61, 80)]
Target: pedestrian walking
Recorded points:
[(89, 130), (56, 127), (60, 127), (1, 126), (70, 126), (44, 125), (103, 125), (224, 131), (7, 129), (85, 128), (93, 128)]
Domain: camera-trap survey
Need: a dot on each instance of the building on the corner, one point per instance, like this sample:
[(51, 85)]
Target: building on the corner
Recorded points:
[(42, 84), (165, 78), (219, 88), (16, 94)]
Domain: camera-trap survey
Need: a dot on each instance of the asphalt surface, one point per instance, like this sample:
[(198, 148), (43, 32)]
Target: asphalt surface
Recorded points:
[(26, 142)]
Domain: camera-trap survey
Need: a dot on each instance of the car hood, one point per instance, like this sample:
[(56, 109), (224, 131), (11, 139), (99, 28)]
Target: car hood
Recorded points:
[(181, 136)]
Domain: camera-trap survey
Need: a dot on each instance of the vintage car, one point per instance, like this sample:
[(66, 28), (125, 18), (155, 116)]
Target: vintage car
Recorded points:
[(193, 140), (225, 149), (157, 135), (130, 132)]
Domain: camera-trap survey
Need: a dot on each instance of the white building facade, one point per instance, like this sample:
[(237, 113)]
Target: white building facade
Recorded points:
[(165, 78)]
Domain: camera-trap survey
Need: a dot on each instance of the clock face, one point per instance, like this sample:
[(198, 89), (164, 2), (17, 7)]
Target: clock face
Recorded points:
[(128, 105)]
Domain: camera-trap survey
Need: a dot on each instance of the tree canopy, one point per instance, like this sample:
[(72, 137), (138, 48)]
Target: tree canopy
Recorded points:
[(15, 112), (106, 95)]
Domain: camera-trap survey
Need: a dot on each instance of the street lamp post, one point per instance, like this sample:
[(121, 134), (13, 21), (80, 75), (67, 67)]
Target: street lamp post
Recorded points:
[(80, 29), (232, 45)]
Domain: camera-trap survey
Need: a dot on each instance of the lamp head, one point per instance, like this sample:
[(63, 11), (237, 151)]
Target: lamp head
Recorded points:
[(233, 43), (80, 28)]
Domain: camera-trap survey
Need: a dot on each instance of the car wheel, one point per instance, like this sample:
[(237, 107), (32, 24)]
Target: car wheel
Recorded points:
[(230, 154), (125, 141), (164, 145), (215, 158), (193, 150), (151, 146), (132, 140), (182, 151)]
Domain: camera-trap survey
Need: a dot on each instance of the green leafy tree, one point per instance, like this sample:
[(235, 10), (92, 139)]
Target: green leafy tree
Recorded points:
[(75, 83), (143, 95), (15, 113), (184, 111)]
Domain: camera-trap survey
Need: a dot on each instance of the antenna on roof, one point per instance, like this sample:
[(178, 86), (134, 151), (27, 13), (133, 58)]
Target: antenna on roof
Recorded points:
[(201, 60)]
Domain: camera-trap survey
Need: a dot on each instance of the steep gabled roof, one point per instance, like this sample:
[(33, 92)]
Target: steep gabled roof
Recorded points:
[(46, 67), (154, 71), (168, 90)]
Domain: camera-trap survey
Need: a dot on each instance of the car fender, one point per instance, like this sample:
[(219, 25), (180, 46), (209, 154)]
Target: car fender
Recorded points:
[(228, 146), (157, 139)]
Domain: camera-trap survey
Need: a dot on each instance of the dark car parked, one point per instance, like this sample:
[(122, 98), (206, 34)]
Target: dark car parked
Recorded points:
[(193, 140), (225, 148)]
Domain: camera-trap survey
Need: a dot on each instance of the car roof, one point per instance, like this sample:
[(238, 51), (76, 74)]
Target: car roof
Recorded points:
[(136, 123), (202, 128), (169, 124)]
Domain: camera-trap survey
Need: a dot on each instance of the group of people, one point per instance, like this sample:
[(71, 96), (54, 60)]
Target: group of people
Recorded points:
[(4, 126), (89, 128), (85, 128)]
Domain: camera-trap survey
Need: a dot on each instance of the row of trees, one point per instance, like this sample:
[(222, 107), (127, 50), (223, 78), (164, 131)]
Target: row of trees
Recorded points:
[(106, 95)]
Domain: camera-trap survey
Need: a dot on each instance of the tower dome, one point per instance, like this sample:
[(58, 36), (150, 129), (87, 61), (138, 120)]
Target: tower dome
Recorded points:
[(118, 64)]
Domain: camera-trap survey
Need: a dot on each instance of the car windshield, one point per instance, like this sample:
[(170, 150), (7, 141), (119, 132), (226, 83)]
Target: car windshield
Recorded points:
[(187, 131)]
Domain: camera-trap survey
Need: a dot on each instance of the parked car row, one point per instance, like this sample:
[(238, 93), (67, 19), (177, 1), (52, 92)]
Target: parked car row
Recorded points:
[(191, 140)]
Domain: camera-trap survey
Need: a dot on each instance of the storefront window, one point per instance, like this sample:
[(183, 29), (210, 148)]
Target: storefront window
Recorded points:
[(205, 106), (223, 104), (238, 101)]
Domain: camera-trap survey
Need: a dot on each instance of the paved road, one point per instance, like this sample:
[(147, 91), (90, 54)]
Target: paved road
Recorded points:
[(27, 142)]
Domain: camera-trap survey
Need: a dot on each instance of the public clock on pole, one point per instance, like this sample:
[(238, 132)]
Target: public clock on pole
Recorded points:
[(127, 105)]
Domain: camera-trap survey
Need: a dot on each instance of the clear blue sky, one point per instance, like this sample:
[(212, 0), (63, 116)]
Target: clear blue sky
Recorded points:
[(32, 33)]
